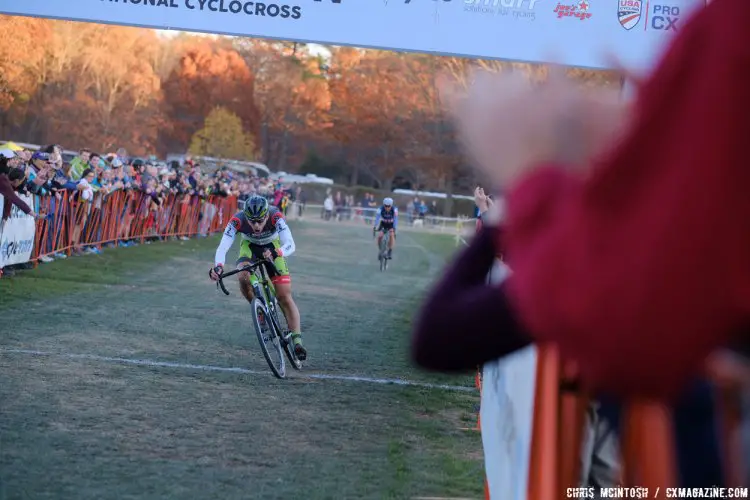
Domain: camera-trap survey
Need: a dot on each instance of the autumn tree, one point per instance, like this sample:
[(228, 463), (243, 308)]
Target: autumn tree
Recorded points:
[(434, 149), (291, 90), (103, 82), (371, 111), (59, 73), (377, 114), (209, 74), (22, 52), (223, 136)]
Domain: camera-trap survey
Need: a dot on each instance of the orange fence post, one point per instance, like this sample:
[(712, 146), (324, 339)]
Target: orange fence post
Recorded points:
[(648, 441), (572, 421), (648, 445), (543, 470), (559, 418)]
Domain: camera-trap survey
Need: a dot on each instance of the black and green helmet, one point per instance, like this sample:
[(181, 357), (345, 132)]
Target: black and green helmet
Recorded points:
[(256, 208)]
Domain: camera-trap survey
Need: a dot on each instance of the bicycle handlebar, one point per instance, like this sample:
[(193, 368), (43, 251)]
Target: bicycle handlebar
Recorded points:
[(220, 281), (270, 268), (375, 231)]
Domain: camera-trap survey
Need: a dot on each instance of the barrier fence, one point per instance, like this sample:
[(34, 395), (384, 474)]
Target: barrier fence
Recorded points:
[(461, 226), (533, 414), (72, 223)]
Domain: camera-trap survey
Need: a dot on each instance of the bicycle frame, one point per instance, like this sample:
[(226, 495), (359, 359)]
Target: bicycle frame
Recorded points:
[(384, 242), (262, 287), (386, 236)]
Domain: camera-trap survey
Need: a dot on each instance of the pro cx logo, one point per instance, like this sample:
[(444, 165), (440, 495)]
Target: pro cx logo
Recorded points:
[(665, 17)]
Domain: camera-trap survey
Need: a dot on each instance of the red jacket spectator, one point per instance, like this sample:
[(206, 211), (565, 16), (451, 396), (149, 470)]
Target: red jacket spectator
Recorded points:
[(644, 268), (10, 197)]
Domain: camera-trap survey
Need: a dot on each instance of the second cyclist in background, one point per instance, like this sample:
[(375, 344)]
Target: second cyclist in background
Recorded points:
[(386, 220)]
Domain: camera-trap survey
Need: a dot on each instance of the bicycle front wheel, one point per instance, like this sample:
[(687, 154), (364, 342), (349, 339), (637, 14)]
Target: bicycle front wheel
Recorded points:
[(383, 253), (269, 339)]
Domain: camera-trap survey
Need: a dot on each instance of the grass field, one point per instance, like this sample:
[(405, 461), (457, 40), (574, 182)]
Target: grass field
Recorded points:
[(94, 427)]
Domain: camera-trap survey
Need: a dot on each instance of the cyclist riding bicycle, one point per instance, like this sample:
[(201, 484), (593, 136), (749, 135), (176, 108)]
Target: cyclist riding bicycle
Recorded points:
[(386, 220), (265, 235)]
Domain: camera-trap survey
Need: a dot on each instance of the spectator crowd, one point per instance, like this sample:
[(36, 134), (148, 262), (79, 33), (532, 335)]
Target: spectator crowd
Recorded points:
[(97, 200)]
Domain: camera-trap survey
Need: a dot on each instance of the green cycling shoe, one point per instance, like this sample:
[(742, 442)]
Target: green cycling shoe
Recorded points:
[(299, 349)]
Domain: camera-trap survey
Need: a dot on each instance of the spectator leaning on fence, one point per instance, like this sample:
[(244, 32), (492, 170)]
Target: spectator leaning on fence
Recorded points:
[(663, 218), (12, 179), (79, 164), (156, 198), (636, 265), (443, 341)]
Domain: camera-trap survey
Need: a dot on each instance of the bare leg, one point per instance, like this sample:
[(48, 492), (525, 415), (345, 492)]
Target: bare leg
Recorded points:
[(286, 302), (284, 294), (245, 286)]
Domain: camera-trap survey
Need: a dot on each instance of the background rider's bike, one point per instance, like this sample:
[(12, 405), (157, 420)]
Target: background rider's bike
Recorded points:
[(383, 249), (266, 318)]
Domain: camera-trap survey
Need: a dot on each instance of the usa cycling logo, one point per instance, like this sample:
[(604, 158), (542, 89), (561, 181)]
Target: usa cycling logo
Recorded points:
[(629, 13)]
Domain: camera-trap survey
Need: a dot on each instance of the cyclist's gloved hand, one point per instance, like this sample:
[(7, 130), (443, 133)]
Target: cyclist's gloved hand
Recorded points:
[(215, 272), (270, 254)]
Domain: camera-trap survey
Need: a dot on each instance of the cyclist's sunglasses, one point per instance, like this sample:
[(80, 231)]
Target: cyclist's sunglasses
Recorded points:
[(258, 221)]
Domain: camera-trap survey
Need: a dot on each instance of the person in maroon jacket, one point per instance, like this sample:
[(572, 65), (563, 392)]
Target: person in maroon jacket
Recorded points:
[(10, 180), (630, 251), (630, 254), (464, 321)]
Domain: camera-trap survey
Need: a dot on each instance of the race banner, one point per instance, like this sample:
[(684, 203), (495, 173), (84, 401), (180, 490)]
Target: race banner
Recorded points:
[(584, 33), (507, 415), (17, 235)]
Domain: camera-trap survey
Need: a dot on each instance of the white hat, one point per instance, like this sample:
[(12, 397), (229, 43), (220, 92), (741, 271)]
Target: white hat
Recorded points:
[(8, 153)]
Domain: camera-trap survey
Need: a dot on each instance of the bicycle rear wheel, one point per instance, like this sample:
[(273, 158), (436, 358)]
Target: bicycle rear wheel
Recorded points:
[(269, 338)]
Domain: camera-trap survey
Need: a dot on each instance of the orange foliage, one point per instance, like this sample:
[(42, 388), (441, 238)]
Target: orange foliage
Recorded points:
[(22, 50), (114, 95), (291, 91), (205, 77), (373, 112)]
